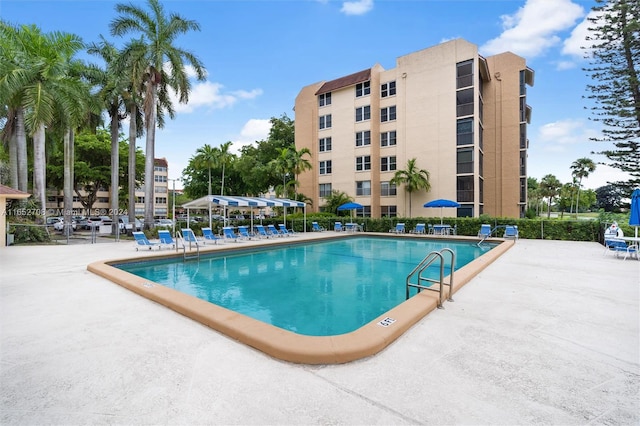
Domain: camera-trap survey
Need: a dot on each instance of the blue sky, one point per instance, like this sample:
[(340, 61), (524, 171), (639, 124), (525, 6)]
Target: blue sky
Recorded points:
[(259, 54)]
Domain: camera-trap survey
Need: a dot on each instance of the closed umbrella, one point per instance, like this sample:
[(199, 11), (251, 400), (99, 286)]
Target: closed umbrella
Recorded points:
[(350, 206), (441, 203), (634, 217)]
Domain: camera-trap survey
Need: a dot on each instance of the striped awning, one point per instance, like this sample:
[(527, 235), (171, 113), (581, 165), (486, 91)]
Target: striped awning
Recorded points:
[(233, 201)]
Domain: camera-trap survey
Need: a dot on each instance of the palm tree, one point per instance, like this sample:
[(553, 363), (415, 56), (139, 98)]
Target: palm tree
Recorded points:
[(550, 188), (224, 158), (206, 157), (283, 165), (113, 84), (335, 200), (300, 164), (41, 84), (14, 130), (581, 168), (164, 70), (413, 178)]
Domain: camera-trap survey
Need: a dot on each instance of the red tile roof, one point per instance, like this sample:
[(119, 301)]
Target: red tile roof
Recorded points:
[(160, 162), (8, 192), (346, 81)]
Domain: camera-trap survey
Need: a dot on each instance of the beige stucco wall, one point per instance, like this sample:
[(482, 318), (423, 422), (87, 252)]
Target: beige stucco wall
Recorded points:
[(426, 130)]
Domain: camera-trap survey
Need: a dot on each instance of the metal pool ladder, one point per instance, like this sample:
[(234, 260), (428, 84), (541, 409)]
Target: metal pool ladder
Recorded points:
[(184, 248), (432, 257)]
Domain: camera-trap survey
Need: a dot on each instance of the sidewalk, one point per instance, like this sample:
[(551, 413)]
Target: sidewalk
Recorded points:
[(547, 334)]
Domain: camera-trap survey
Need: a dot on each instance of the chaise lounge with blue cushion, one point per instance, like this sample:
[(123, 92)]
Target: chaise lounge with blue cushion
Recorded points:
[(143, 241), (165, 238), (619, 246), (510, 231), (399, 229), (209, 236)]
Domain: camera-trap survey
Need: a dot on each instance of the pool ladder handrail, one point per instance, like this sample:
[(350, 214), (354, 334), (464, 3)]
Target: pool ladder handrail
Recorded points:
[(423, 265), (184, 248)]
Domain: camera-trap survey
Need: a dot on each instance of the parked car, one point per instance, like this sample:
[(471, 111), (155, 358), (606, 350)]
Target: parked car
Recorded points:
[(164, 222), (125, 225), (59, 226), (97, 221), (52, 220)]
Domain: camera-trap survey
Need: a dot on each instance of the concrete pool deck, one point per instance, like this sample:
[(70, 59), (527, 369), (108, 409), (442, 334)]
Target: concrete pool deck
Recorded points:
[(547, 334)]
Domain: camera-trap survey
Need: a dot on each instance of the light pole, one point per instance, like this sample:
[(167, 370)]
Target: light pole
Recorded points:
[(173, 210)]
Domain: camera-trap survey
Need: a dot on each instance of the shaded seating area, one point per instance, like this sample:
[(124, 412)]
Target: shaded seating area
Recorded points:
[(143, 241)]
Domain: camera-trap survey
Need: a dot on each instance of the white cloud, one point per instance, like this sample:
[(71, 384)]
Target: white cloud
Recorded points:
[(565, 65), (253, 130), (534, 27), (559, 135), (359, 7), (577, 44), (209, 94)]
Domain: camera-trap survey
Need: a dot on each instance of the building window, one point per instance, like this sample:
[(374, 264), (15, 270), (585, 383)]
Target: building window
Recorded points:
[(363, 163), (388, 89), (160, 189), (324, 99), (387, 189), (523, 163), (464, 74), (465, 211), (325, 167), (464, 185), (464, 132), (523, 86), (480, 164), (388, 138), (140, 200), (480, 136), (363, 138), (102, 200), (388, 114), (160, 178), (363, 113), (388, 211), (363, 187), (388, 164), (523, 136), (161, 200), (324, 144), (363, 89), (464, 102), (523, 190), (523, 109), (325, 122), (465, 160), (325, 189), (159, 169)]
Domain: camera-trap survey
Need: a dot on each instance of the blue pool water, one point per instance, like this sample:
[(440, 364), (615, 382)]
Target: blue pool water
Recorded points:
[(316, 288)]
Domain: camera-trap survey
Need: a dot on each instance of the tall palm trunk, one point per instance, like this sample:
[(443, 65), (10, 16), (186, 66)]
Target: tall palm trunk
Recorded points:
[(39, 176), (68, 180), (133, 130), (13, 160), (150, 155), (115, 171), (21, 151)]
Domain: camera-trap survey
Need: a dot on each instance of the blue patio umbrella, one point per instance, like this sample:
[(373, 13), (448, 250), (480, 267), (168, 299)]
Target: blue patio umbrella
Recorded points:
[(634, 217), (441, 203), (350, 206)]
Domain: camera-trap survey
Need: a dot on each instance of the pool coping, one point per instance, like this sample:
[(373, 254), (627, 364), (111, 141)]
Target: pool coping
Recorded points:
[(286, 345)]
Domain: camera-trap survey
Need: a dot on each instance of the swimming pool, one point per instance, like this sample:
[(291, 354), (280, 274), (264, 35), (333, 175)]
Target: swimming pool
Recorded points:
[(283, 343), (317, 289)]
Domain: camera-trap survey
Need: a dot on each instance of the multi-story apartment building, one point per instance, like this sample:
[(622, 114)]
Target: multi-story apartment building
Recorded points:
[(55, 201), (462, 116)]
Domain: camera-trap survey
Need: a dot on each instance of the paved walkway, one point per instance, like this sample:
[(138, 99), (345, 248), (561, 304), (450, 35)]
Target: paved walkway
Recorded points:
[(548, 334)]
